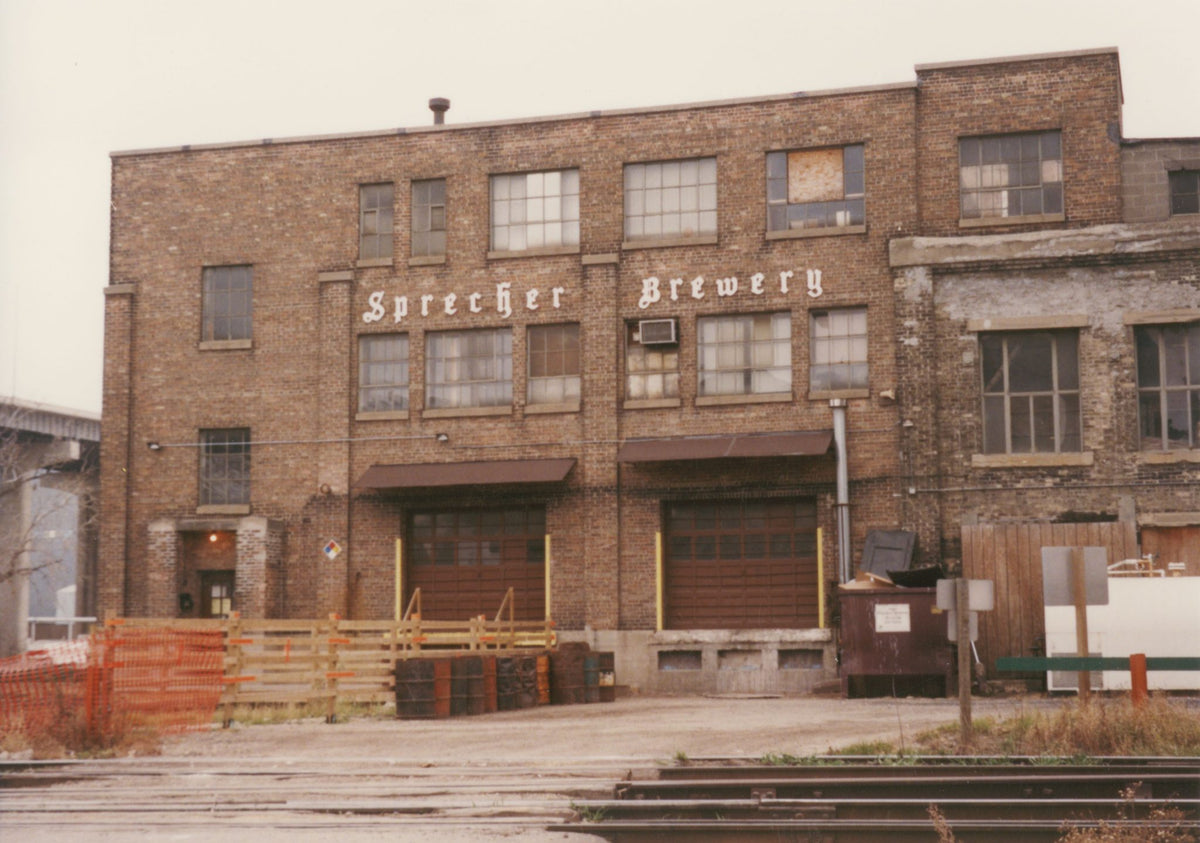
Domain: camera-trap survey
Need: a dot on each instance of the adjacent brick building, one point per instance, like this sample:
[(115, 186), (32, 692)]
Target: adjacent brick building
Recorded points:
[(659, 371)]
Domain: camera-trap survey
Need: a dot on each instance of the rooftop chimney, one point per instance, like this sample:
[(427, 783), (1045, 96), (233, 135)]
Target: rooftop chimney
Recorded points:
[(439, 106)]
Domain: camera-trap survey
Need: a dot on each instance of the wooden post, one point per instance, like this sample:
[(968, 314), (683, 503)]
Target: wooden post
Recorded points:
[(962, 616), (1138, 686), (820, 580), (1079, 594), (658, 582)]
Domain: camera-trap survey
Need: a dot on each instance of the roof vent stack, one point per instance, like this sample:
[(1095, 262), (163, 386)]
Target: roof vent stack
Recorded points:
[(439, 106)]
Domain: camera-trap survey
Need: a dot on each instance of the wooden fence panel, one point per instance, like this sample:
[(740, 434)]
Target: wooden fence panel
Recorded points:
[(1011, 556)]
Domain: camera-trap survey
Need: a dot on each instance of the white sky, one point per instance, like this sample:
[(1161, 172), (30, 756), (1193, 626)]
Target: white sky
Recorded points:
[(82, 78)]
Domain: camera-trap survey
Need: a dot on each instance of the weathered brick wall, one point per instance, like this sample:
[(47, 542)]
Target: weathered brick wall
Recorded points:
[(1144, 167)]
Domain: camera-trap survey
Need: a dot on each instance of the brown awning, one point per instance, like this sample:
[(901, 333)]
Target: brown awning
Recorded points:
[(495, 472), (809, 443)]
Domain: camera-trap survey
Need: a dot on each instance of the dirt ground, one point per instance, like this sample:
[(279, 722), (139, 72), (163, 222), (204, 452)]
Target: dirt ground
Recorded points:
[(497, 777)]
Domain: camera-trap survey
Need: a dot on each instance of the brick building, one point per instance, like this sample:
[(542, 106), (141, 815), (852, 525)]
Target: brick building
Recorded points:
[(660, 371)]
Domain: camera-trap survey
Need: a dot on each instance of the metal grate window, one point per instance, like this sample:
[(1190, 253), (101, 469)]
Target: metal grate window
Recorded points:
[(1011, 175), (535, 210), (228, 299), (747, 354), (382, 372), (1168, 372), (468, 368), (671, 199), (1030, 392), (375, 221), (224, 466), (428, 218)]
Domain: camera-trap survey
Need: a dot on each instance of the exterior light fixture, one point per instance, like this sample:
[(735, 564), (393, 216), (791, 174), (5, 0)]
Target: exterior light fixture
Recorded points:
[(154, 446), (443, 437), (212, 537)]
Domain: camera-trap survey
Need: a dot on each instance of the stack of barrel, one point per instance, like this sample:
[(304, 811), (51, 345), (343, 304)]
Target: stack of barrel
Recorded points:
[(435, 687)]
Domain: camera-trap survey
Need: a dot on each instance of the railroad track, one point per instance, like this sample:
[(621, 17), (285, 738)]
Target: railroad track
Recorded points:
[(981, 799)]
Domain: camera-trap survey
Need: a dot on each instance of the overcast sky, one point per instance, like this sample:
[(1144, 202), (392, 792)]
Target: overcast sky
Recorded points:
[(82, 78)]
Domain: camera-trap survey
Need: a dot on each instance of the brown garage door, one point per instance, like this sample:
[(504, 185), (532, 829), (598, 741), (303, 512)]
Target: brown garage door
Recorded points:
[(465, 560), (741, 564)]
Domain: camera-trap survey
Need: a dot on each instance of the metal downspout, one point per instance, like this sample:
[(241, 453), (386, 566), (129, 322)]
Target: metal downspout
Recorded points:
[(842, 505)]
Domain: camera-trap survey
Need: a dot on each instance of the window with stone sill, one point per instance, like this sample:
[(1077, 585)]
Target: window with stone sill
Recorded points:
[(554, 364), (375, 221), (227, 303), (816, 188), (838, 353), (383, 373), (535, 210), (651, 371), (1030, 392), (225, 467), (468, 368), (667, 200), (744, 354), (1185, 191), (428, 218), (1168, 376), (1005, 176)]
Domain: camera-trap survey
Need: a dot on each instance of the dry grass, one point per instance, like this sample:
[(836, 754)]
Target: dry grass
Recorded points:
[(66, 735)]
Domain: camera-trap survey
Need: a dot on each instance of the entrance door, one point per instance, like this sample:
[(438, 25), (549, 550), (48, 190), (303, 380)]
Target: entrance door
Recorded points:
[(216, 594), (465, 560), (741, 564)]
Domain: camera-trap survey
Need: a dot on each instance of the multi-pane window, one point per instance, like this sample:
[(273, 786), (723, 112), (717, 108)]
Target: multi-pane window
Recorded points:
[(553, 352), (228, 295), (468, 368), (651, 370), (382, 373), (745, 354), (1185, 191), (1011, 175), (479, 537), (671, 199), (428, 218), (1168, 372), (839, 349), (374, 221), (535, 210), (1030, 392), (815, 188), (224, 466)]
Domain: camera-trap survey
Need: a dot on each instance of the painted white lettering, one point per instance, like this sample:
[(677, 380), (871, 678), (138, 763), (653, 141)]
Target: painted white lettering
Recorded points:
[(425, 300), (504, 299), (556, 296), (650, 292), (400, 308), (473, 302), (727, 286), (676, 283), (375, 300), (531, 299), (698, 287), (783, 279), (450, 305), (814, 283), (756, 283)]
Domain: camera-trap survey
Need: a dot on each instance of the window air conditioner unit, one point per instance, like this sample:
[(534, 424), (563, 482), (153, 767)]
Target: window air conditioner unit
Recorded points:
[(657, 332)]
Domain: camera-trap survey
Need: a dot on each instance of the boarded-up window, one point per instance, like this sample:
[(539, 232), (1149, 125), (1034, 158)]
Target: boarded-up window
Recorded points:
[(815, 188)]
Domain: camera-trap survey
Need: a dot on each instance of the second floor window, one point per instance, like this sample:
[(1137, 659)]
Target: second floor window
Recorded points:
[(839, 350), (651, 370), (553, 352), (374, 221), (382, 373), (428, 218), (1185, 191), (671, 199), (815, 188), (1168, 377), (227, 298), (468, 368), (535, 210), (225, 467), (1010, 176), (745, 354), (1030, 392)]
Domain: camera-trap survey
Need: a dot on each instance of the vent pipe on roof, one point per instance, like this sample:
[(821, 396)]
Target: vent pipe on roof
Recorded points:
[(439, 106)]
